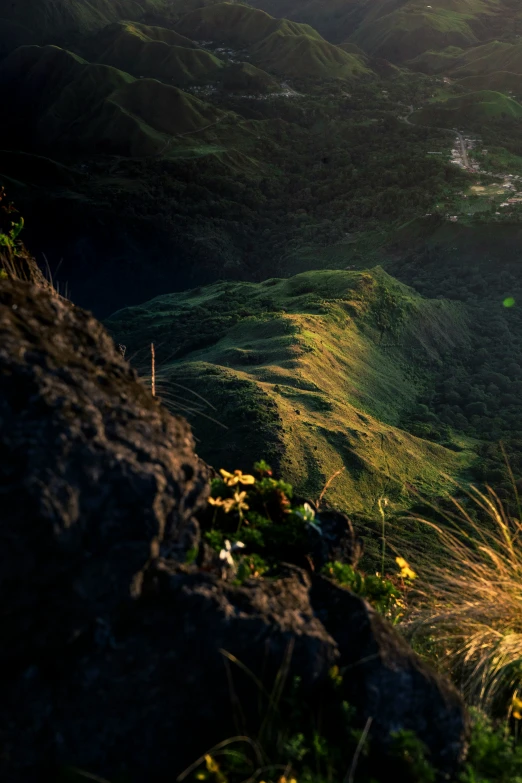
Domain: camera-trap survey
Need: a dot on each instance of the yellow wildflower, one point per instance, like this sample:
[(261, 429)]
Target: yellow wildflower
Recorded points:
[(216, 501), (237, 477), (237, 503), (211, 763), (406, 571), (516, 707)]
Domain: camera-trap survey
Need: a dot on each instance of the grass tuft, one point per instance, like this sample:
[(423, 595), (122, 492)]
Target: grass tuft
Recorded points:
[(471, 599)]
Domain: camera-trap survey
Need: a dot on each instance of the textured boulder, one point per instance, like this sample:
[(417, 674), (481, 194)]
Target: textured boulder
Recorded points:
[(94, 475), (159, 685), (387, 682), (119, 658)]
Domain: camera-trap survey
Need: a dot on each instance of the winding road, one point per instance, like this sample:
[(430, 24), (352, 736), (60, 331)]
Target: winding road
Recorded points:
[(453, 131)]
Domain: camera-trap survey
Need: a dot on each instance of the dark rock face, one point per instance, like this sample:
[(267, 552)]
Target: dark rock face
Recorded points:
[(116, 657), (387, 682), (94, 475), (157, 686)]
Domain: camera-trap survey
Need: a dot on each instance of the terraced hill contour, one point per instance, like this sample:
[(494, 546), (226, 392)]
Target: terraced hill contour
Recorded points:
[(318, 369)]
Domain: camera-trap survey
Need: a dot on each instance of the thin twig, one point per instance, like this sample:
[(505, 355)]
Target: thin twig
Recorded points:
[(153, 369), (351, 772)]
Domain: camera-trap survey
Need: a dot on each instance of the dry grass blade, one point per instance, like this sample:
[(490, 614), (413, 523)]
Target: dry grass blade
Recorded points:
[(360, 745), (328, 485), (87, 775), (214, 750), (20, 265), (189, 404), (471, 601)]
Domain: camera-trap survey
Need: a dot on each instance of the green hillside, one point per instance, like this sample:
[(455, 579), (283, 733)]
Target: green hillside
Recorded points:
[(277, 45), (147, 33), (300, 56), (52, 19), (499, 81), (158, 53), (495, 56), (237, 25), (319, 368), (335, 19), (397, 29), (471, 107), (402, 35), (63, 100), (433, 62)]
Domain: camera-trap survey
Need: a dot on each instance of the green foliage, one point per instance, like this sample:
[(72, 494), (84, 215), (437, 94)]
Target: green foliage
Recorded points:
[(412, 752), (495, 754), (11, 224), (381, 593), (256, 513), (294, 751)]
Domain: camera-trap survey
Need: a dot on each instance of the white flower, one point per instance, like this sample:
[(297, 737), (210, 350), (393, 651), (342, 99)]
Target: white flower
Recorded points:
[(226, 554), (307, 514)]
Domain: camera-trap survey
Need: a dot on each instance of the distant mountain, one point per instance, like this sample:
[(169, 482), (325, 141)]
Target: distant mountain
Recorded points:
[(496, 65), (278, 45), (398, 29), (58, 99), (164, 54), (155, 52), (335, 19), (494, 56), (55, 18), (403, 34)]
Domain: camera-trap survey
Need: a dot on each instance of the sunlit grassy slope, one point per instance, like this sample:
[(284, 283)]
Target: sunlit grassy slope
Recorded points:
[(313, 372), (65, 100)]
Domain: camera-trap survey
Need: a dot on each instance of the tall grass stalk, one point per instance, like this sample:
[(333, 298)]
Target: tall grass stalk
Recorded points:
[(471, 600)]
